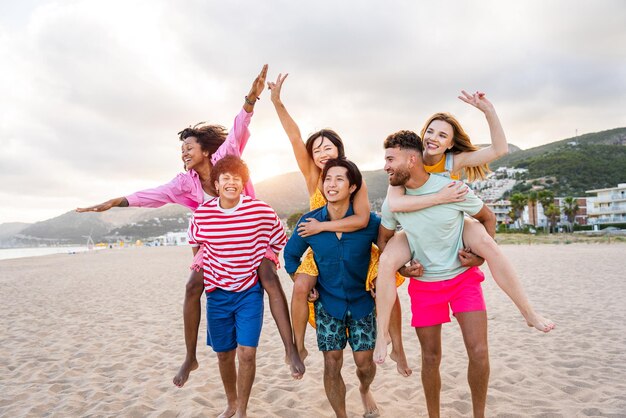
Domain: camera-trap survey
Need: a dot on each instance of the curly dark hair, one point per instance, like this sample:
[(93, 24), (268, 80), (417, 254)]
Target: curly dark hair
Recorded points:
[(404, 139), (230, 164), (210, 137), (332, 137), (353, 172)]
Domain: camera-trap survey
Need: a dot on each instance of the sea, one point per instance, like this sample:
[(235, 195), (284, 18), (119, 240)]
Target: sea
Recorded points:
[(9, 253)]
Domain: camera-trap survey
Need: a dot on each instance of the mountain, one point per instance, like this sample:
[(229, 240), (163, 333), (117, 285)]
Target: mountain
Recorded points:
[(9, 229), (577, 164)]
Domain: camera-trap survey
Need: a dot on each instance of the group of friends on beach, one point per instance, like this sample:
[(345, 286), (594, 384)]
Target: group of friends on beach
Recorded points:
[(346, 261)]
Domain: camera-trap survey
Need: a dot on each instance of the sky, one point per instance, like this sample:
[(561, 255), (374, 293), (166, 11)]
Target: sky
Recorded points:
[(92, 93)]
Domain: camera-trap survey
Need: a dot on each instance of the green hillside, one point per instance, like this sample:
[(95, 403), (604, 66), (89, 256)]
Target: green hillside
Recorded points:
[(587, 162)]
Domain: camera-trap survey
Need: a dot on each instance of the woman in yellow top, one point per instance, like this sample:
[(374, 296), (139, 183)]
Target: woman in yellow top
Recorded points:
[(311, 156), (449, 151)]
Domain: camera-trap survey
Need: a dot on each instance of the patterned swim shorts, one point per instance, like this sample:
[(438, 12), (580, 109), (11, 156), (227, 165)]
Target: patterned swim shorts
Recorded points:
[(332, 335)]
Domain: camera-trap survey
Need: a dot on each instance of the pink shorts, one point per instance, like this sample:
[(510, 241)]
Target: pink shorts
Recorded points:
[(198, 259), (431, 301)]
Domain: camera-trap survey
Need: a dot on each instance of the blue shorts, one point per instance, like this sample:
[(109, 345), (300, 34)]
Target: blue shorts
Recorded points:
[(332, 335), (234, 318)]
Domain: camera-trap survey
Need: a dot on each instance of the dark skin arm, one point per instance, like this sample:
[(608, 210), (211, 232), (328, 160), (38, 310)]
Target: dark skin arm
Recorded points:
[(488, 219), (116, 202)]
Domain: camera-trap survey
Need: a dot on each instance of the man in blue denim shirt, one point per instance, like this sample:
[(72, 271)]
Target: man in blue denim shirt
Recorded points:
[(345, 310)]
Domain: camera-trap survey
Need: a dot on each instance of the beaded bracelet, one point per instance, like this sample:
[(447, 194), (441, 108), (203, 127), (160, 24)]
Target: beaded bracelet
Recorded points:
[(250, 102)]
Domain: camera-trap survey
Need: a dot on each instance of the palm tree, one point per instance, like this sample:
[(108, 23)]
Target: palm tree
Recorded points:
[(570, 208), (518, 201), (546, 198), (553, 213), (532, 208)]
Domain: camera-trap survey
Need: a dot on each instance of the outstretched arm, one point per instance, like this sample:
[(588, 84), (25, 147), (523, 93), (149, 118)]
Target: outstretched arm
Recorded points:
[(307, 167), (401, 202), (116, 202), (498, 147), (359, 220)]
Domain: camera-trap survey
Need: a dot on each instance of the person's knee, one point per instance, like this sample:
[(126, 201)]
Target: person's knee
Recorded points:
[(431, 358), (226, 356), (480, 241), (195, 285), (246, 355), (390, 261), (301, 287), (478, 353), (365, 366), (269, 277), (333, 359)]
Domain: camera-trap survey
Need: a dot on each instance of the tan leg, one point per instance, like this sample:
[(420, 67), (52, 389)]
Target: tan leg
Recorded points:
[(303, 283), (430, 343), (191, 320), (474, 328), (396, 254), (476, 238)]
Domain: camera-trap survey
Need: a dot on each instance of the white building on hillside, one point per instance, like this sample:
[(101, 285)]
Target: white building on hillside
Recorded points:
[(501, 209), (608, 206)]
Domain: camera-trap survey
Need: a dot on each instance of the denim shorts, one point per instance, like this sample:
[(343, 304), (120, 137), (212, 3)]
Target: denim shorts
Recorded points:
[(333, 333), (234, 318)]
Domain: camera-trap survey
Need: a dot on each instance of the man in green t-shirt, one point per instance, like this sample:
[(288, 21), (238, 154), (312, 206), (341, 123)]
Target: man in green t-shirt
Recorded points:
[(435, 238)]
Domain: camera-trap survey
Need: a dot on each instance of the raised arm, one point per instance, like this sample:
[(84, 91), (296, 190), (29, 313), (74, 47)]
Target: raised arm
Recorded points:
[(307, 167), (255, 91), (498, 147), (239, 134), (359, 220), (401, 202)]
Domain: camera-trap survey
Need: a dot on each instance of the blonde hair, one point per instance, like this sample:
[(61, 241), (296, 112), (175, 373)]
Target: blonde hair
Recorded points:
[(460, 143)]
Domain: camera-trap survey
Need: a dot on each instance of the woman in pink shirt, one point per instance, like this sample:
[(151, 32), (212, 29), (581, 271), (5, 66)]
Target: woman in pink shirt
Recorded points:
[(202, 147)]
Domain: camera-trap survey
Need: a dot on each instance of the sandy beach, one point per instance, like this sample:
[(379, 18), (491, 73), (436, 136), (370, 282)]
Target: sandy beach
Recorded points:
[(100, 334)]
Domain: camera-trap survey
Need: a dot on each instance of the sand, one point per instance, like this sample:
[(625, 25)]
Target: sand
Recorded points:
[(100, 334)]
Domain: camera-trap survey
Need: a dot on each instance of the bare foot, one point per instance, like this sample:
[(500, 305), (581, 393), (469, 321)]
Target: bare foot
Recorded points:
[(539, 322), (296, 365), (183, 373), (303, 354), (228, 412), (380, 350), (401, 363), (371, 410)]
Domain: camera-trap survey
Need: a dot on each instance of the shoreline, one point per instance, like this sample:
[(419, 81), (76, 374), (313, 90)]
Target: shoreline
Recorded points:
[(501, 238)]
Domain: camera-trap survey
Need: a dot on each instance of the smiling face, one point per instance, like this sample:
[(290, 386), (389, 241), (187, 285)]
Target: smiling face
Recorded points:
[(323, 150), (337, 186), (397, 166), (229, 187), (192, 154), (438, 138)]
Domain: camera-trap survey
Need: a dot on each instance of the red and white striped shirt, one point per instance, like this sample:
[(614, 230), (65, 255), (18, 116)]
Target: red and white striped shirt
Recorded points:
[(235, 241)]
